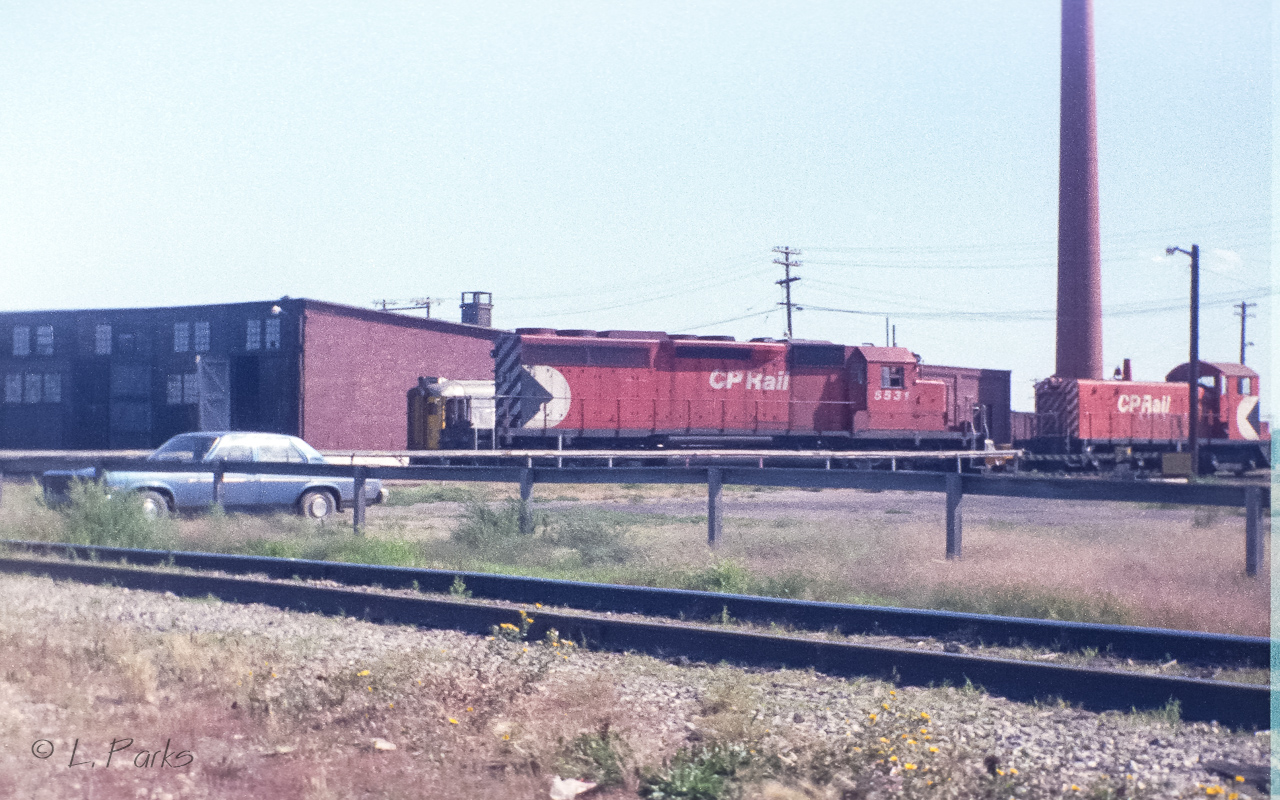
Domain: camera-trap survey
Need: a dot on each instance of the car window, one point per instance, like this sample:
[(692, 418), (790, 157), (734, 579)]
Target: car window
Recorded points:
[(189, 447), (279, 452), (234, 451)]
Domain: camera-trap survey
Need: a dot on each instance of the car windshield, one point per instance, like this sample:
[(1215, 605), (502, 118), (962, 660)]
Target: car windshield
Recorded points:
[(187, 447)]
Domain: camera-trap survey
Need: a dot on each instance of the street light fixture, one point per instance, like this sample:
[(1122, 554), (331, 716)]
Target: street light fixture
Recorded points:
[(1193, 371)]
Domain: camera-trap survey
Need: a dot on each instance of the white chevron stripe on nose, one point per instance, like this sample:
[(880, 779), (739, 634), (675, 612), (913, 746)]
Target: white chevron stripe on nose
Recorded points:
[(1243, 411)]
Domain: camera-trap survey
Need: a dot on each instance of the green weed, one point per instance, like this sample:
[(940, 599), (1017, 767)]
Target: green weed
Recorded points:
[(700, 773), (98, 516), (413, 495), (599, 537), (459, 587), (598, 757), (486, 527), (1015, 600)]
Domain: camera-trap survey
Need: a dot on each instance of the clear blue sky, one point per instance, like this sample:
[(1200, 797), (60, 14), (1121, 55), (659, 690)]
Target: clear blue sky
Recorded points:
[(632, 165)]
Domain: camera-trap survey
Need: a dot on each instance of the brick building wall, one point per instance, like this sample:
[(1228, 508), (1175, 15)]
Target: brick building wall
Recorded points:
[(358, 366)]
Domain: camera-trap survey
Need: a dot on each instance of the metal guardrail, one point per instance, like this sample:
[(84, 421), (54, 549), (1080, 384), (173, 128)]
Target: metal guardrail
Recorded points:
[(953, 485), (1232, 704)]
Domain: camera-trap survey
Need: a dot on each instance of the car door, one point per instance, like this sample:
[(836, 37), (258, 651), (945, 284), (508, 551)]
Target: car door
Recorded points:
[(279, 490), (239, 483)]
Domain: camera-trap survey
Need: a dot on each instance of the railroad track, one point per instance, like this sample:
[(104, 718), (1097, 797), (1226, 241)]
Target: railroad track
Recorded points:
[(1232, 704)]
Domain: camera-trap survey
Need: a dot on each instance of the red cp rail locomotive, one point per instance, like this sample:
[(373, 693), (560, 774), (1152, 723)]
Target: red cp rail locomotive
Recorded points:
[(644, 388), (1088, 422)]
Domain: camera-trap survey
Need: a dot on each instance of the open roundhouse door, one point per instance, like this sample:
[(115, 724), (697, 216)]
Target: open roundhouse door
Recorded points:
[(214, 379)]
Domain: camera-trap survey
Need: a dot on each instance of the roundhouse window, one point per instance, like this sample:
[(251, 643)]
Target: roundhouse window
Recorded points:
[(102, 340), (181, 337), (44, 340), (21, 340)]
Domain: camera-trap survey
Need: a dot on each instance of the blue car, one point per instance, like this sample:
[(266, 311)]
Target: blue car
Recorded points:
[(164, 491)]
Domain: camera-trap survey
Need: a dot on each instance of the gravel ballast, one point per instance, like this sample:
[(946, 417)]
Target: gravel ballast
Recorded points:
[(1048, 749)]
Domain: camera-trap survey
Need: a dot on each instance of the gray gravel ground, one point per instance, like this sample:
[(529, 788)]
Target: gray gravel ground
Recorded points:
[(1050, 747)]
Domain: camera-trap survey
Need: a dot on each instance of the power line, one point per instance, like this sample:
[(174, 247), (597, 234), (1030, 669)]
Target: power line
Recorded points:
[(1025, 314)]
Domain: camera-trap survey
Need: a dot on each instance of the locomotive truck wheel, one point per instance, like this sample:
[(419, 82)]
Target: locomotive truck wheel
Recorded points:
[(316, 504), (154, 505)]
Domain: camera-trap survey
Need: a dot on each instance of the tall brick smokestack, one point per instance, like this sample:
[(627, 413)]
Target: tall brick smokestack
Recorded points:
[(1079, 353)]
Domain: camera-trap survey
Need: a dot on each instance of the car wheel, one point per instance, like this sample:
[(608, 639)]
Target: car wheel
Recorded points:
[(154, 505), (316, 504)]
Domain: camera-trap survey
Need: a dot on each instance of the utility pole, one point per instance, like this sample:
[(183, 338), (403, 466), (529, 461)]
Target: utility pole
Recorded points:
[(786, 282), (1244, 315), (1193, 371)]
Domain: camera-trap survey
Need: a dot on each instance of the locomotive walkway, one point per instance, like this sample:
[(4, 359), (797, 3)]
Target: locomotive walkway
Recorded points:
[(1233, 704)]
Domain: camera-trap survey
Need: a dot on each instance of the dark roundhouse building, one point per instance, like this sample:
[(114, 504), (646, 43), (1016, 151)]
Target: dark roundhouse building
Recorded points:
[(335, 375)]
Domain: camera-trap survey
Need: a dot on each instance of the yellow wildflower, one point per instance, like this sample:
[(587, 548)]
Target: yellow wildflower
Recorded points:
[(370, 688), (886, 741), (885, 706), (1012, 770), (908, 766), (362, 673), (1239, 779), (924, 715), (933, 749), (1233, 796), (893, 758), (452, 721), (1213, 790)]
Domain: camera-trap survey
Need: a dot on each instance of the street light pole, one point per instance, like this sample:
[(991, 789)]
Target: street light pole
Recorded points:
[(1193, 368)]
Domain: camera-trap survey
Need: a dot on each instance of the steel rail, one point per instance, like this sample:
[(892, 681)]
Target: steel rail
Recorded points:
[(1235, 705), (1151, 644)]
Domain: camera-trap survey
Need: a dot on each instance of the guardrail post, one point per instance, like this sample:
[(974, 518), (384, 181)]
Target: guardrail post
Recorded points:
[(360, 473), (1252, 530), (526, 491), (953, 516), (219, 471), (715, 480)]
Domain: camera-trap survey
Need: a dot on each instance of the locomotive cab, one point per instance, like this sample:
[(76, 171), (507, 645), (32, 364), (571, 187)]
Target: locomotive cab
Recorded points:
[(889, 394), (1228, 400)]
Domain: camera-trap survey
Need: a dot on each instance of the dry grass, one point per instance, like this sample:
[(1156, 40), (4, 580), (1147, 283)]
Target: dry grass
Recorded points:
[(1111, 562)]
